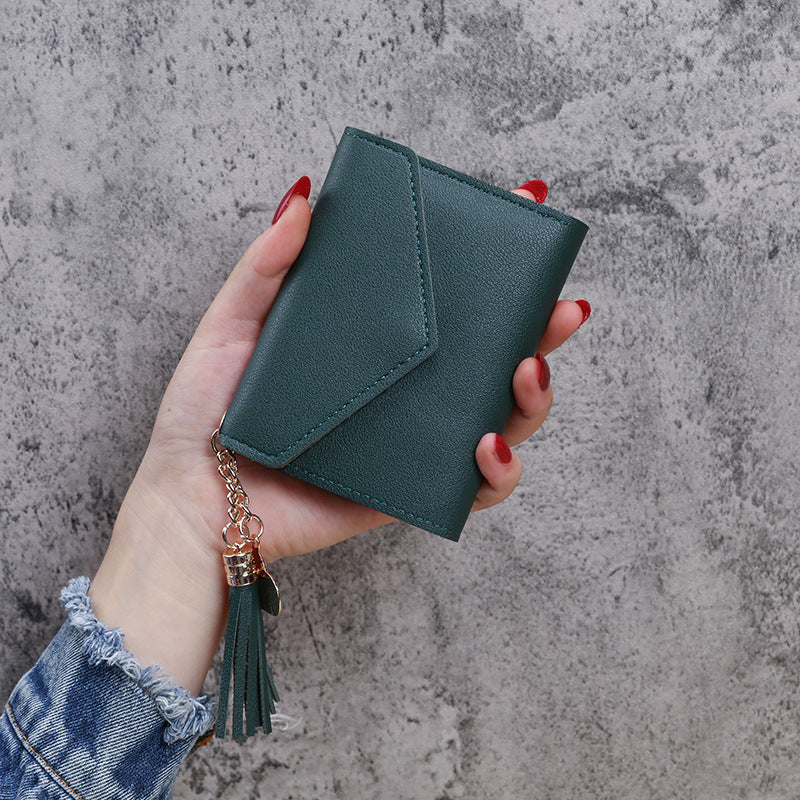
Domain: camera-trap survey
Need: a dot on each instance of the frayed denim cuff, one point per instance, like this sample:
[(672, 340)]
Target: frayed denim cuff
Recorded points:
[(187, 716), (87, 720)]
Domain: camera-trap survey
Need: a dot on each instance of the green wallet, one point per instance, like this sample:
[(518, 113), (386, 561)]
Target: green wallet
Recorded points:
[(391, 346)]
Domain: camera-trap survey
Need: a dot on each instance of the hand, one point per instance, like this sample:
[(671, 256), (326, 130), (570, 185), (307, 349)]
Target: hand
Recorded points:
[(299, 517), (170, 520)]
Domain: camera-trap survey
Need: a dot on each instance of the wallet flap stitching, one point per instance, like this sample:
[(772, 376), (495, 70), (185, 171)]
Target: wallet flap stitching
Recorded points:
[(429, 344)]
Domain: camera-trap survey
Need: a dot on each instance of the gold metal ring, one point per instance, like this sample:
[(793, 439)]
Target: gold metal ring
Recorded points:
[(243, 533)]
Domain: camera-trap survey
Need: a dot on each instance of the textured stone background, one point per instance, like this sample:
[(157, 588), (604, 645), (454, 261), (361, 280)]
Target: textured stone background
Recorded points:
[(626, 624)]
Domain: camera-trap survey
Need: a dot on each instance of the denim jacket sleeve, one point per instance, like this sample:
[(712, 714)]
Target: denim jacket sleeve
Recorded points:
[(89, 722)]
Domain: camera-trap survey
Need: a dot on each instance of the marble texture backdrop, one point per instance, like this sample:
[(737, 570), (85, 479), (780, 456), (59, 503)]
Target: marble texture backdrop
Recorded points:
[(626, 624)]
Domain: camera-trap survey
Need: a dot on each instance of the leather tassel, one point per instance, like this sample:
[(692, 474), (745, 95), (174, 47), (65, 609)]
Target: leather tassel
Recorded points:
[(244, 661)]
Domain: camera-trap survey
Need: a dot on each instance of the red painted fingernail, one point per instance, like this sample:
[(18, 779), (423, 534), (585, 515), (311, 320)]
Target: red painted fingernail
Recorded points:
[(544, 372), (537, 188), (303, 187), (586, 308), (501, 449)]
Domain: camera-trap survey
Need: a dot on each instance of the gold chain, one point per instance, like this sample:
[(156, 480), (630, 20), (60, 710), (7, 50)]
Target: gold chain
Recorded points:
[(239, 512)]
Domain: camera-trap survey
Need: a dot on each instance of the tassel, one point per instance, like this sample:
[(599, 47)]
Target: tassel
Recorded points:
[(244, 661)]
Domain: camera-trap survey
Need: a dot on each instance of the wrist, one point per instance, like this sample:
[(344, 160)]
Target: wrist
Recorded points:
[(163, 585)]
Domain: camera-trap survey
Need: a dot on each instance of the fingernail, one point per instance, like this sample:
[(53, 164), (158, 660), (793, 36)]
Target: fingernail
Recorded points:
[(501, 449), (537, 188), (586, 308), (544, 372), (303, 187)]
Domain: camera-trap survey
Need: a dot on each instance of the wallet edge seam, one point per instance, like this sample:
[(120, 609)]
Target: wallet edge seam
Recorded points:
[(455, 177), (294, 468)]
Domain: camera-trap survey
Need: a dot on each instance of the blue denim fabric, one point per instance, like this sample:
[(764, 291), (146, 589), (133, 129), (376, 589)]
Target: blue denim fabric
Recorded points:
[(87, 721)]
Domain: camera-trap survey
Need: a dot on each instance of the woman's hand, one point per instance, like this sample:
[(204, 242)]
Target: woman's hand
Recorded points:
[(168, 527), (298, 516)]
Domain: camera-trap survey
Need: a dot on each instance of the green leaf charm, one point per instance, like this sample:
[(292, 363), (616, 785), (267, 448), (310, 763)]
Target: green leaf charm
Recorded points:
[(269, 594)]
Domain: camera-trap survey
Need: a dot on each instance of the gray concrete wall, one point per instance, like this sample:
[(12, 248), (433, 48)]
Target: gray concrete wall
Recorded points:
[(626, 624)]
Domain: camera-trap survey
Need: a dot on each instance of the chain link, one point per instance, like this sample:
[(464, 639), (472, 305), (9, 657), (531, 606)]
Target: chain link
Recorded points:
[(239, 512)]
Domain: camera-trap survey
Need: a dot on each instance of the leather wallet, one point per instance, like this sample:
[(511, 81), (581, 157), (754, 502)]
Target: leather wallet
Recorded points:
[(391, 346)]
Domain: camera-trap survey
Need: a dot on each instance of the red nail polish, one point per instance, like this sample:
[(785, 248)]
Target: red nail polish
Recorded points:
[(501, 449), (303, 187), (537, 188), (544, 372), (586, 308)]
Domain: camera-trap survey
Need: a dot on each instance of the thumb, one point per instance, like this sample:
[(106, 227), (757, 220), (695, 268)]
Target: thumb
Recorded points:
[(238, 311)]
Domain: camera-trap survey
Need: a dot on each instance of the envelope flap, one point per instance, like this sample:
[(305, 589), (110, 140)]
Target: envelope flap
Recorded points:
[(354, 314)]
